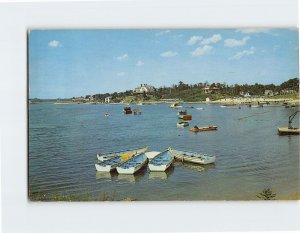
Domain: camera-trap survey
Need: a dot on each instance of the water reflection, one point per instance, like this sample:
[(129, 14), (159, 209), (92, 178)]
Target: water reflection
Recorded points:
[(106, 175), (195, 167), (162, 175), (132, 178)]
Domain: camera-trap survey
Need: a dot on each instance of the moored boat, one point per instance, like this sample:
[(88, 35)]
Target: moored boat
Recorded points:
[(201, 129), (193, 157), (106, 156), (187, 117), (287, 131), (132, 165), (183, 124), (161, 162), (127, 110), (175, 105), (137, 111), (111, 164)]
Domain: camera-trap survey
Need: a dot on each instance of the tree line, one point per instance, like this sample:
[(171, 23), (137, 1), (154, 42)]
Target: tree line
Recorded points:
[(195, 92)]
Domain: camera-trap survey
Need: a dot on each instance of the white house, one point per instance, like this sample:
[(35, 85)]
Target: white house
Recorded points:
[(107, 99), (143, 88), (269, 93)]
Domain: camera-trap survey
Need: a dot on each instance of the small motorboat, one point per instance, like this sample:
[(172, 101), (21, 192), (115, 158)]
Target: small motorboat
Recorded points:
[(186, 117), (290, 130), (137, 111), (193, 157), (161, 162), (175, 105), (132, 165), (206, 128), (127, 110), (183, 124), (106, 114), (182, 113), (106, 156), (200, 108), (287, 131)]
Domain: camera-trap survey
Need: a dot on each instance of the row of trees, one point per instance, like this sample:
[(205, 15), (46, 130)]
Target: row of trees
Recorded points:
[(194, 92)]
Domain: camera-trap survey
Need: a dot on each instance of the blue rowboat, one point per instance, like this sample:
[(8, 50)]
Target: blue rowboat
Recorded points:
[(161, 162), (132, 165)]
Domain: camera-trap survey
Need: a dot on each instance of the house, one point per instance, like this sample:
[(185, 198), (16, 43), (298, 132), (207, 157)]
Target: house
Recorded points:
[(209, 89), (287, 91), (269, 93), (107, 99), (247, 95), (143, 88)]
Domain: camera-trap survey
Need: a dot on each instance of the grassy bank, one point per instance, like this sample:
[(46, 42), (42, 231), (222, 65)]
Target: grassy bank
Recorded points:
[(104, 196)]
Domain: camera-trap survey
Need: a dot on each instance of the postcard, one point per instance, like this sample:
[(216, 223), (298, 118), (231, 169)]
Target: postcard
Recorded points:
[(163, 114)]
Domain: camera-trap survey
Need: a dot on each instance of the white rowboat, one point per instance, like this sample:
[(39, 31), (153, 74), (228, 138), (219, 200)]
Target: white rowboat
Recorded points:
[(193, 157)]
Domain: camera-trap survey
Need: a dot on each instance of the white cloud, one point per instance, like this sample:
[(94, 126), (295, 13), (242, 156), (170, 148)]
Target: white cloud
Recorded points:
[(211, 40), (168, 54), (253, 30), (139, 63), (121, 73), (54, 44), (194, 40), (162, 33), (123, 57), (235, 43), (244, 53), (202, 50)]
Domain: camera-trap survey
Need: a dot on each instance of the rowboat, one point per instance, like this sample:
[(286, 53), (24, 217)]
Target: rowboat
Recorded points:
[(182, 124), (201, 129), (112, 163), (193, 157), (161, 162), (106, 156), (132, 165)]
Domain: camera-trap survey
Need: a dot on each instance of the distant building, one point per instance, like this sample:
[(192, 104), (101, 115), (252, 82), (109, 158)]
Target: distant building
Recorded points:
[(143, 88), (247, 94), (287, 91), (208, 90), (107, 99), (269, 93)]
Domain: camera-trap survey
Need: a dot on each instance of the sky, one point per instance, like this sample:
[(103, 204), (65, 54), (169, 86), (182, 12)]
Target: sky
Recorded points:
[(71, 63)]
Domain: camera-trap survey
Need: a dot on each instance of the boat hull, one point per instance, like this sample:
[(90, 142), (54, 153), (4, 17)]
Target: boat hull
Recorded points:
[(159, 168), (107, 168), (203, 129), (287, 131)]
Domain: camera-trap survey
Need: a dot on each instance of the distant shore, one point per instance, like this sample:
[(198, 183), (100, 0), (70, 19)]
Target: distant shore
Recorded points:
[(233, 101)]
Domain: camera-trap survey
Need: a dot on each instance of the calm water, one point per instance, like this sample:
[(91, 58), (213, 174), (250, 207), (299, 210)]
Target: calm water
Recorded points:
[(64, 140)]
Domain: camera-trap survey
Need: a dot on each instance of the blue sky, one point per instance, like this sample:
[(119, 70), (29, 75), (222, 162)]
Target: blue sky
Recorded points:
[(67, 63)]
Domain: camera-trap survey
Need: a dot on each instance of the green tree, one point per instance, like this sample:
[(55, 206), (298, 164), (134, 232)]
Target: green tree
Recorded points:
[(266, 194)]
